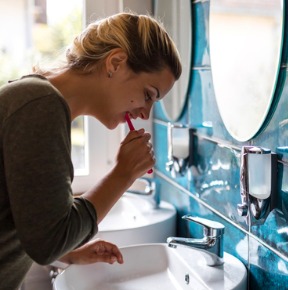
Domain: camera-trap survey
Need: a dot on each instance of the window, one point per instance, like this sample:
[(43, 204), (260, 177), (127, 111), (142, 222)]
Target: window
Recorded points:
[(43, 28), (40, 32)]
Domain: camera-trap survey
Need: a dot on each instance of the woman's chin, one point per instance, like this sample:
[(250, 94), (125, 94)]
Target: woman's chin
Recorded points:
[(111, 126)]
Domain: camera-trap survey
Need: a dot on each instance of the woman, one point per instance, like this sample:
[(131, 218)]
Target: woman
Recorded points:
[(121, 64)]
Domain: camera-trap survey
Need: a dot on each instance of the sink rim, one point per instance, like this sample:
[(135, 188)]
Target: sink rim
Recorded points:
[(181, 254)]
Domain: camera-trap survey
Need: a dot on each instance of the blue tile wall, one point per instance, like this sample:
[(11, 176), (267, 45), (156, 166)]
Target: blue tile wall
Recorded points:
[(211, 188)]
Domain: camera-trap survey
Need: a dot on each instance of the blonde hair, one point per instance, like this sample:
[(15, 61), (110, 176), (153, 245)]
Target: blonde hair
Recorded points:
[(148, 46)]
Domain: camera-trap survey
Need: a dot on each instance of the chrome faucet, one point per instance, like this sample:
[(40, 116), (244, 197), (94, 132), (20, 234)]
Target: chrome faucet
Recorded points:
[(146, 187), (211, 244)]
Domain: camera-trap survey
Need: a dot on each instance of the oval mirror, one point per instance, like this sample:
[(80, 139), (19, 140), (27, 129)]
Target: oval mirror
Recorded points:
[(177, 19), (245, 50)]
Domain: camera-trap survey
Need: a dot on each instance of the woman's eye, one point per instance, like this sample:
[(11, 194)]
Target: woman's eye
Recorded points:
[(147, 97)]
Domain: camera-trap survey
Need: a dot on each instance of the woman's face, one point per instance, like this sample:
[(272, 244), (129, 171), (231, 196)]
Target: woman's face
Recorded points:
[(133, 93)]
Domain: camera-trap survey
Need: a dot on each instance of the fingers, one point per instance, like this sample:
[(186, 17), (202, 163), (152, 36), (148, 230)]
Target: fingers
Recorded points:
[(136, 154), (134, 135), (108, 253), (117, 254)]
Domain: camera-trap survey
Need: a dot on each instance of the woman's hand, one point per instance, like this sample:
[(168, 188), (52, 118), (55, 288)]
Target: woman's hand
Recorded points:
[(136, 155), (92, 252)]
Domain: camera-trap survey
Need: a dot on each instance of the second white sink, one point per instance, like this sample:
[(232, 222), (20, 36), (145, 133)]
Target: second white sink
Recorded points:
[(134, 220)]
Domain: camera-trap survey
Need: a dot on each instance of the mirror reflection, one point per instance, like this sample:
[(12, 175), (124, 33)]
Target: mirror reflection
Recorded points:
[(176, 17), (245, 49)]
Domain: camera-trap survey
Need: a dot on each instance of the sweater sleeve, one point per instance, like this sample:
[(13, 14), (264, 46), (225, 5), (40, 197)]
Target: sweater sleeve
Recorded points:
[(36, 143)]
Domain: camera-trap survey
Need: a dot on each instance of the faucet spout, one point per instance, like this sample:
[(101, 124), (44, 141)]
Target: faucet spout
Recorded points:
[(208, 246), (147, 189), (211, 244)]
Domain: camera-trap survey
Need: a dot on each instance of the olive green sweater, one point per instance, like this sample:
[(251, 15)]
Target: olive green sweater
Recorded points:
[(40, 220)]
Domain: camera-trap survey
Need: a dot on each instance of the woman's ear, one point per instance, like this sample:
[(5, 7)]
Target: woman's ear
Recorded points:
[(115, 59)]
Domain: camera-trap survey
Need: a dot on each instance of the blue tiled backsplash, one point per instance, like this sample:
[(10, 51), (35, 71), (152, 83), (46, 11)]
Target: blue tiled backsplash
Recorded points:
[(214, 191)]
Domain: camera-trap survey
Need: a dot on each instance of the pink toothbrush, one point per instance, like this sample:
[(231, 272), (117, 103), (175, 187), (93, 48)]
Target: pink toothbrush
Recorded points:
[(131, 128)]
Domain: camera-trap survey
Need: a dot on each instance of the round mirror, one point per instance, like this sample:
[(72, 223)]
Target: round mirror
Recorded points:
[(176, 17), (245, 49)]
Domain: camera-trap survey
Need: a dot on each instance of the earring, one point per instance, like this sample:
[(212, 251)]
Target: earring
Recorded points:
[(109, 74)]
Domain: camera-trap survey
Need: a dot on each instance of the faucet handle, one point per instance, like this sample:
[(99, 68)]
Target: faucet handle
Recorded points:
[(211, 228)]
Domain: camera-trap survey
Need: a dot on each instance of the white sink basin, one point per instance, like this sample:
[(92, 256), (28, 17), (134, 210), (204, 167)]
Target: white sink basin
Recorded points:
[(134, 220), (155, 266)]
